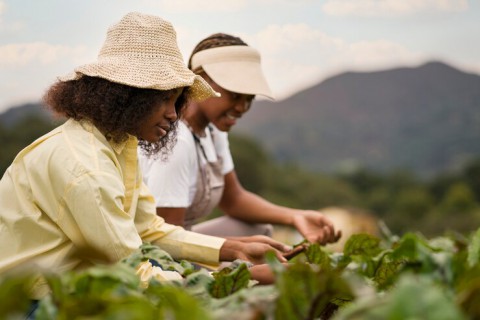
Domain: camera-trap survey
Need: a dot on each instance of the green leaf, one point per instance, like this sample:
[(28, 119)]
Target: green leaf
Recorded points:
[(148, 251), (228, 281), (198, 284), (175, 303), (387, 272), (251, 303), (305, 291), (316, 255), (474, 249), (276, 266), (14, 300), (362, 245), (413, 297)]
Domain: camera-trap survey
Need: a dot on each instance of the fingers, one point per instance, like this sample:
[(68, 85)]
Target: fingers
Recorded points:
[(280, 256), (327, 234), (262, 273), (324, 235), (255, 252), (267, 240), (338, 235), (295, 251), (278, 245)]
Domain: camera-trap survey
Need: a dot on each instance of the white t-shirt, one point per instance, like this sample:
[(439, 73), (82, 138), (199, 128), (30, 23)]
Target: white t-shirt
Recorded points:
[(173, 181)]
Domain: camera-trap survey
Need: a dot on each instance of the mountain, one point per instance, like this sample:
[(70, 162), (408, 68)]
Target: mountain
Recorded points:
[(11, 116), (424, 119)]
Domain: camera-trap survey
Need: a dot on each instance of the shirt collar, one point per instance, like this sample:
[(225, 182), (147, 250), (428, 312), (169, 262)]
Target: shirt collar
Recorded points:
[(120, 146)]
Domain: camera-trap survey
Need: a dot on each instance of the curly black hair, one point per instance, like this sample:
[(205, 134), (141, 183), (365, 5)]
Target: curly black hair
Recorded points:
[(115, 109)]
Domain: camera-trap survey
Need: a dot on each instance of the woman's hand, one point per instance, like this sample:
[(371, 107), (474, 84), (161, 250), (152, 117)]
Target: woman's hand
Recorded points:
[(315, 227), (264, 239), (262, 273), (250, 251), (255, 252)]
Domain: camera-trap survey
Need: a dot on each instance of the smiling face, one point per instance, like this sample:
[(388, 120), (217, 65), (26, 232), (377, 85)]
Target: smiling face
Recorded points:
[(162, 118), (224, 111)]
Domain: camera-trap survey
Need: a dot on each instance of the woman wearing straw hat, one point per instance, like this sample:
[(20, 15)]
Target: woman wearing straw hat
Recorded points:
[(200, 173), (75, 196)]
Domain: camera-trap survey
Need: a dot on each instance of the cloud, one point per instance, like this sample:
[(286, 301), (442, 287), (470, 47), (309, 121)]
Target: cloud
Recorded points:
[(390, 7), (295, 56), (197, 5), (2, 10), (22, 54), (202, 6)]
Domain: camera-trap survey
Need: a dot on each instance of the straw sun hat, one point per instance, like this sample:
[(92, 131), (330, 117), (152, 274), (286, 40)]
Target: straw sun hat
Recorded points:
[(141, 51)]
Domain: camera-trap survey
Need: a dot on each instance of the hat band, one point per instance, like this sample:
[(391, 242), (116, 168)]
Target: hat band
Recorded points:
[(225, 54)]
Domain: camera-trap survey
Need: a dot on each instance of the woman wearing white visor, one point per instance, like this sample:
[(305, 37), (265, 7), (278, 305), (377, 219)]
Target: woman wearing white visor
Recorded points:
[(199, 175)]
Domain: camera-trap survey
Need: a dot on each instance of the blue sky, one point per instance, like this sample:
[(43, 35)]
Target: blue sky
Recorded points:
[(301, 41)]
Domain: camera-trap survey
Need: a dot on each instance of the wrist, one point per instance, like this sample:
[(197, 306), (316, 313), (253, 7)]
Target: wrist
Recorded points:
[(294, 216), (230, 250)]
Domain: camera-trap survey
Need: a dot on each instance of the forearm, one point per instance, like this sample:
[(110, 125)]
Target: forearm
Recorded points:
[(174, 216), (249, 207), (246, 206), (179, 243)]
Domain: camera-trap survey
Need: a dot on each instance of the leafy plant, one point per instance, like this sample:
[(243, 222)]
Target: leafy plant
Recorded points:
[(408, 277)]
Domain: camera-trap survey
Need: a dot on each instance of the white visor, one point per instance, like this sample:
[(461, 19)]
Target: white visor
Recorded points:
[(234, 68)]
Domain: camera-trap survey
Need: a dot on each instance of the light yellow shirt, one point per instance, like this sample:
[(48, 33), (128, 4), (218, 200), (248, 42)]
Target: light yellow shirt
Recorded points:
[(72, 198)]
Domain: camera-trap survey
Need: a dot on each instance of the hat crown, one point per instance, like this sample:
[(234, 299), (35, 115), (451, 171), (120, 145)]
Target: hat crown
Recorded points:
[(141, 35), (141, 51)]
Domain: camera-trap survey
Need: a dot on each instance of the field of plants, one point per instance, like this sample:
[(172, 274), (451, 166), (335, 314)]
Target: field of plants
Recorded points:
[(407, 277), (429, 274)]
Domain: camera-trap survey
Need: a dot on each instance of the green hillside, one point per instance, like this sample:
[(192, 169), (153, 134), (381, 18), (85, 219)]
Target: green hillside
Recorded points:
[(424, 119)]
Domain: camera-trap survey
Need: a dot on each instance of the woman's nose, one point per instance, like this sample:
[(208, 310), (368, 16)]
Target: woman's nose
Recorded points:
[(171, 113), (242, 105)]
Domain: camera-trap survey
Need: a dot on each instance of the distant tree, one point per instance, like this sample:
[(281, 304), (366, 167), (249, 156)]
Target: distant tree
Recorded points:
[(379, 200), (285, 184), (252, 163), (293, 186), (459, 199), (413, 204), (362, 179), (471, 176), (14, 138), (440, 184)]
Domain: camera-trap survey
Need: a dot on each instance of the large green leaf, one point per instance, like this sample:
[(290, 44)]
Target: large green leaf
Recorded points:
[(228, 281), (414, 297), (306, 290), (151, 252)]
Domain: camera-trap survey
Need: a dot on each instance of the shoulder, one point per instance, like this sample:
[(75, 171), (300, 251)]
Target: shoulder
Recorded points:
[(220, 141), (217, 134), (62, 156), (79, 148)]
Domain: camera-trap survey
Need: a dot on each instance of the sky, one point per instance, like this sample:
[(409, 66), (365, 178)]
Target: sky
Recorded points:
[(302, 42)]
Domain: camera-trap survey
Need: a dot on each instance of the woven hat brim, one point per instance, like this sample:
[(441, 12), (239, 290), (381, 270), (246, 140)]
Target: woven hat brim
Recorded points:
[(153, 73)]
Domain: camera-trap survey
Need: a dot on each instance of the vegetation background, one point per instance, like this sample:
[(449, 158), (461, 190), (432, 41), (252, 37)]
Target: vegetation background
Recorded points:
[(431, 191)]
